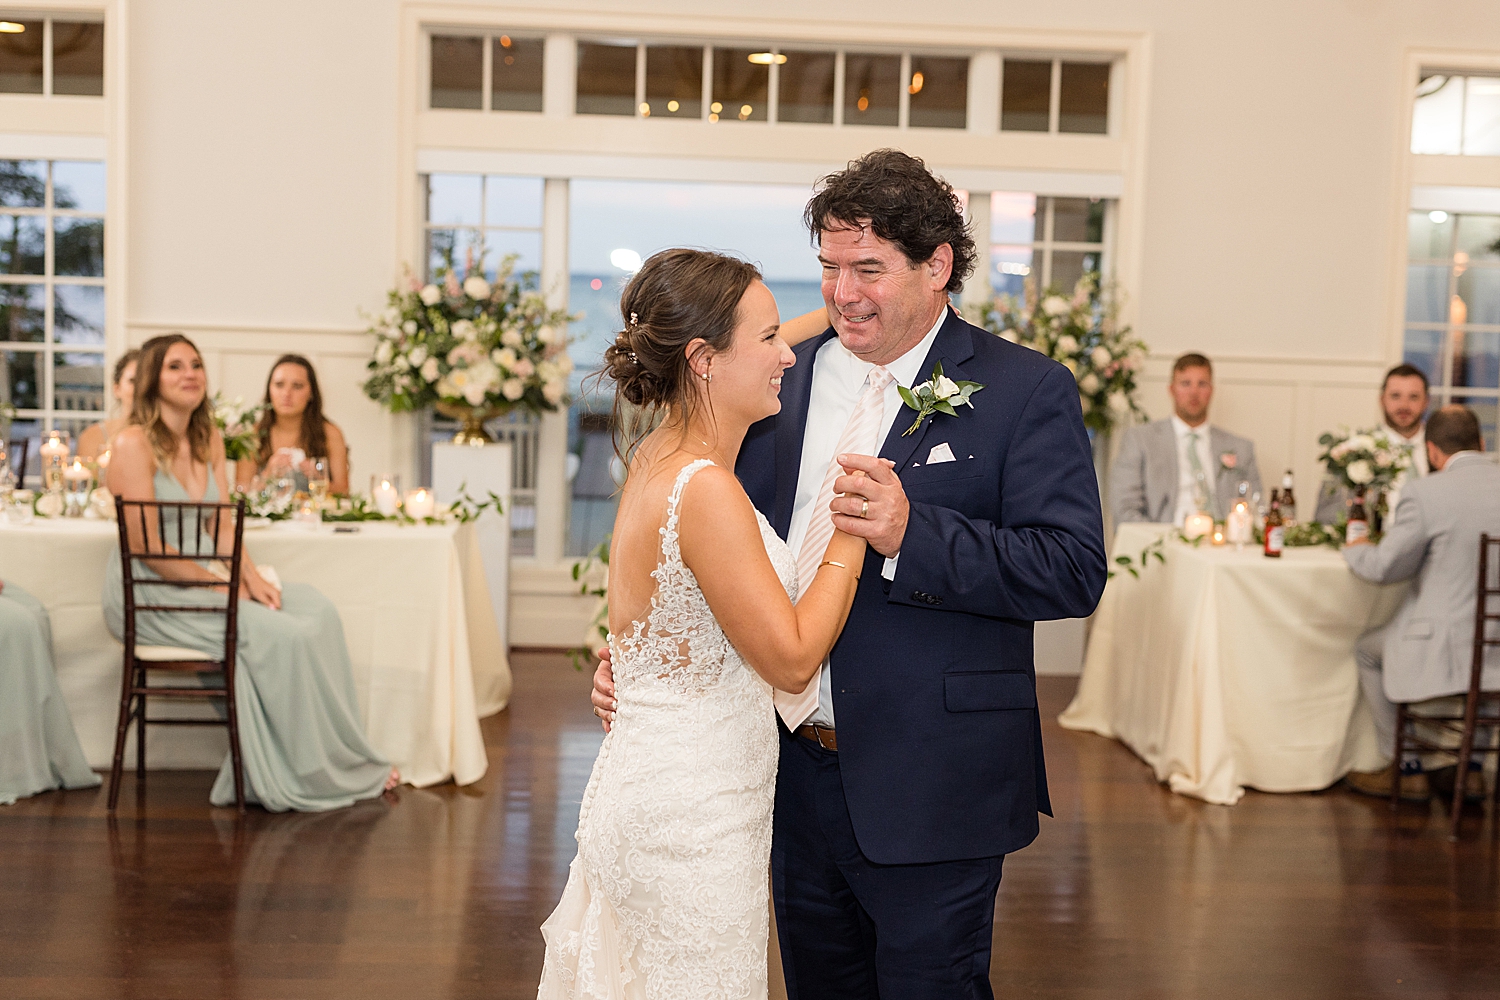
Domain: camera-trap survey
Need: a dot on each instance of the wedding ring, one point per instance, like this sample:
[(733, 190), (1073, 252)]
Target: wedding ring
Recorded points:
[(864, 508)]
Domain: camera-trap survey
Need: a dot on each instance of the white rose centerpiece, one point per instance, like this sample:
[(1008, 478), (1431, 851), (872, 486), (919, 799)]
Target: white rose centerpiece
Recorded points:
[(1363, 461), (1080, 332), (470, 347)]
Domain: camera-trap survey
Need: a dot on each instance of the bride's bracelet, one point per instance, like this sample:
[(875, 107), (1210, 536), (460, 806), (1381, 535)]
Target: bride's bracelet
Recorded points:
[(832, 562)]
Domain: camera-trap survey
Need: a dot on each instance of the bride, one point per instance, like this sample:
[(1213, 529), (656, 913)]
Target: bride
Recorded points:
[(666, 899)]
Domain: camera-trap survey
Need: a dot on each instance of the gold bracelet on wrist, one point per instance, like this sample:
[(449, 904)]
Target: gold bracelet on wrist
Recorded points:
[(835, 562)]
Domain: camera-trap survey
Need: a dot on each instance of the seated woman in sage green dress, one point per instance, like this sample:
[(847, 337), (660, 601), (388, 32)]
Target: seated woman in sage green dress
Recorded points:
[(301, 738), (38, 749)]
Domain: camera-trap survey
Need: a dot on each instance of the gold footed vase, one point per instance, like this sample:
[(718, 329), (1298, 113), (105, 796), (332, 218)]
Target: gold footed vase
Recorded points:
[(471, 422)]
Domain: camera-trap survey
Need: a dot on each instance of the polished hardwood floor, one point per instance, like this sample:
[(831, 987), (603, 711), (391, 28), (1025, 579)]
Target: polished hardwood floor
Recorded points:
[(1130, 892)]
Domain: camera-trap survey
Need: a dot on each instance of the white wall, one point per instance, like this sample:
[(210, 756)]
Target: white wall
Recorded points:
[(267, 149), (261, 142)]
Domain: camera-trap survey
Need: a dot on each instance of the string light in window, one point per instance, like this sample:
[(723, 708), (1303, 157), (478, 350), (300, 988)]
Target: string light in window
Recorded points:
[(916, 83)]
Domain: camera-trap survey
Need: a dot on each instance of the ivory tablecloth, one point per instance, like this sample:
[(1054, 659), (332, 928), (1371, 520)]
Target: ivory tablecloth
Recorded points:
[(1226, 669), (426, 651)]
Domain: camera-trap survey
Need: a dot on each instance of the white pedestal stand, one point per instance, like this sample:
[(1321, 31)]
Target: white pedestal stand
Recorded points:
[(482, 471)]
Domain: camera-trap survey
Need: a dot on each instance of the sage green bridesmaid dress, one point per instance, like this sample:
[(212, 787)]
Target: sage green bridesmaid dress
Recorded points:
[(301, 739), (38, 749)]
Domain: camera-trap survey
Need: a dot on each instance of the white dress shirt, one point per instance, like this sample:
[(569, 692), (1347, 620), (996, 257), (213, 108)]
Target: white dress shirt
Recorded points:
[(1187, 481), (1418, 442), (838, 376)]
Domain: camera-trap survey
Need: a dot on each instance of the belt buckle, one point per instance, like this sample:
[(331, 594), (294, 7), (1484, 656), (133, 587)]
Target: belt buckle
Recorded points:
[(819, 730)]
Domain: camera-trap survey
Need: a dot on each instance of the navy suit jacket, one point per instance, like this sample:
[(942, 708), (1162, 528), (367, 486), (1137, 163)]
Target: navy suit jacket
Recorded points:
[(934, 689)]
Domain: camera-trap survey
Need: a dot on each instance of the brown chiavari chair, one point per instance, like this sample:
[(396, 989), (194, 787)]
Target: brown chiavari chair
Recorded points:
[(147, 536), (16, 455), (1408, 736)]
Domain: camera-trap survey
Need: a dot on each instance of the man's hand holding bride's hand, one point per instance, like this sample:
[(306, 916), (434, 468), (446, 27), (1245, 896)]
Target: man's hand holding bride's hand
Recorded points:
[(603, 695), (873, 505)]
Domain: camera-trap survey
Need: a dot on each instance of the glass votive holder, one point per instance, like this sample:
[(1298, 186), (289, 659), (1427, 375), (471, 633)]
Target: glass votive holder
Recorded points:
[(19, 511), (55, 449), (420, 503), (385, 494), (78, 481), (307, 514)]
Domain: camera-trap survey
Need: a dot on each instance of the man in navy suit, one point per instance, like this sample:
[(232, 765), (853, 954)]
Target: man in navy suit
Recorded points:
[(918, 766)]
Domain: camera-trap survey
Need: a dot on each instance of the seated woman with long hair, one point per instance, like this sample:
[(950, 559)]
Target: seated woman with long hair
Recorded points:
[(293, 430), (95, 438), (300, 734)]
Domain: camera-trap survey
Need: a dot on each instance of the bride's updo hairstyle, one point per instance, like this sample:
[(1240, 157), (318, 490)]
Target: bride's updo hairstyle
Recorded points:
[(677, 296)]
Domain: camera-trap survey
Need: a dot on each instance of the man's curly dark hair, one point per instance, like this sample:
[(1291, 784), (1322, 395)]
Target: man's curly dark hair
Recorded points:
[(902, 202)]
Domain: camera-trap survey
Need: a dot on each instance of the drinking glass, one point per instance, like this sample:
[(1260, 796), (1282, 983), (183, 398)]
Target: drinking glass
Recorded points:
[(317, 479)]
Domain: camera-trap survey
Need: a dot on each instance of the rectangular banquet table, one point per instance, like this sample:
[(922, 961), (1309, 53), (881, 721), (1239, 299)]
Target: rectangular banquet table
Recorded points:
[(426, 650), (1225, 669)]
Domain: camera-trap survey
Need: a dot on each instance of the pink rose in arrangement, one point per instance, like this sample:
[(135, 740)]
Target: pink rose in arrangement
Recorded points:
[(1229, 460)]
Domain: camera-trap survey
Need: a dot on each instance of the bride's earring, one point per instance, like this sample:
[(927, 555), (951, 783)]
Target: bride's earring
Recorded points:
[(707, 376)]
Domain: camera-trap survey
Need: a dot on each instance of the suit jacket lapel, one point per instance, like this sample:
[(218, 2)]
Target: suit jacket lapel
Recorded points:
[(791, 427), (952, 346)]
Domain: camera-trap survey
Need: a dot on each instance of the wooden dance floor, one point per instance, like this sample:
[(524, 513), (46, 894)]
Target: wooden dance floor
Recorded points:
[(1130, 892)]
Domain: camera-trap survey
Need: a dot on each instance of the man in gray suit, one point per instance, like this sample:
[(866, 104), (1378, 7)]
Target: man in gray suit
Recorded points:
[(1403, 401), (1426, 650), (1171, 468)]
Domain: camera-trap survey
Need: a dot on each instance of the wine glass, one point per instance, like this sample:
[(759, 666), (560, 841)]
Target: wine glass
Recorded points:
[(317, 479)]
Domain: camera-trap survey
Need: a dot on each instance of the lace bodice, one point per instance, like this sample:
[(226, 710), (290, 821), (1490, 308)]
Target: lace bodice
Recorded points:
[(679, 641), (666, 899)]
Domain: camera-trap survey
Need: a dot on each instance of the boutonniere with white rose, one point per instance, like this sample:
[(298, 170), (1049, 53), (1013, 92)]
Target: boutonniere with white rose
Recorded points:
[(1228, 461), (939, 394)]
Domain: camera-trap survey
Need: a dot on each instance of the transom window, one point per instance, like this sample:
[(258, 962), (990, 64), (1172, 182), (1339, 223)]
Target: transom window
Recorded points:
[(51, 56), (486, 72), (52, 293), (1456, 114), (751, 83), (1453, 308), (1054, 95)]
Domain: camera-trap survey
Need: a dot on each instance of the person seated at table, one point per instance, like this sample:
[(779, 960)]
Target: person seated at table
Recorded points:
[(293, 430), (301, 739), (1169, 469), (1403, 403), (1426, 651), (95, 438), (38, 749)]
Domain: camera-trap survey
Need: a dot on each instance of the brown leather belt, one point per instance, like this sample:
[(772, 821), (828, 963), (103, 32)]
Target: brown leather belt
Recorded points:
[(821, 735)]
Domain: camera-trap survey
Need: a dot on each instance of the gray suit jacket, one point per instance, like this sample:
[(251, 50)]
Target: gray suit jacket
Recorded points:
[(1434, 541), (1144, 478)]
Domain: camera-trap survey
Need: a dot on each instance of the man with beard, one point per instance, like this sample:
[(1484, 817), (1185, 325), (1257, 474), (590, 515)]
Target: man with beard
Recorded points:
[(1403, 399)]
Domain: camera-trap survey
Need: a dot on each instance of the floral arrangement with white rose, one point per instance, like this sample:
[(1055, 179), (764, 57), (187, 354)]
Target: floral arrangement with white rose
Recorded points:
[(469, 342), (1082, 332), (1369, 460), (236, 421)]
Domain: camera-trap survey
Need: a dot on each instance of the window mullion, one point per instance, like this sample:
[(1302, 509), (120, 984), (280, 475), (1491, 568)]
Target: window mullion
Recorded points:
[(1054, 99), (47, 57), (903, 95), (640, 78), (773, 87), (486, 73), (838, 88)]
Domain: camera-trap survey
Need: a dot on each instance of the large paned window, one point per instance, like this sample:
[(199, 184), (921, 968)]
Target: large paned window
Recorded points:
[(52, 56), (1049, 242), (477, 220), (52, 293), (1456, 114), (1453, 308), (614, 226)]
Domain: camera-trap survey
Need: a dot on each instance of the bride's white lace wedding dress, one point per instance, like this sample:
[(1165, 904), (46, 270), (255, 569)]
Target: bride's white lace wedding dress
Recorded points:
[(666, 899)]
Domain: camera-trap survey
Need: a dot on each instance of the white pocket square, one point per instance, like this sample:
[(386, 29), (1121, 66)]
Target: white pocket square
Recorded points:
[(940, 453)]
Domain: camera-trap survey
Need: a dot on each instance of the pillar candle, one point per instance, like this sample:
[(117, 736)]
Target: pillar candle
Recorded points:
[(420, 503)]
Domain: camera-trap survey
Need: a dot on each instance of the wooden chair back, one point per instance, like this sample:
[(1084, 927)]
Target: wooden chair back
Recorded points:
[(155, 535)]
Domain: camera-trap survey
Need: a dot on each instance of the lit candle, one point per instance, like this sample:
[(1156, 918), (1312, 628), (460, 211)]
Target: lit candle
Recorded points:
[(419, 504), (1218, 536), (386, 497), (103, 460), (55, 447), (1198, 525), (77, 473), (1237, 526)]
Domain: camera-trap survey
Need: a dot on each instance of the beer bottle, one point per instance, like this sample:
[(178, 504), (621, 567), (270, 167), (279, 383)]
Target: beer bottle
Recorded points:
[(1358, 527), (1275, 528), (1288, 500)]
